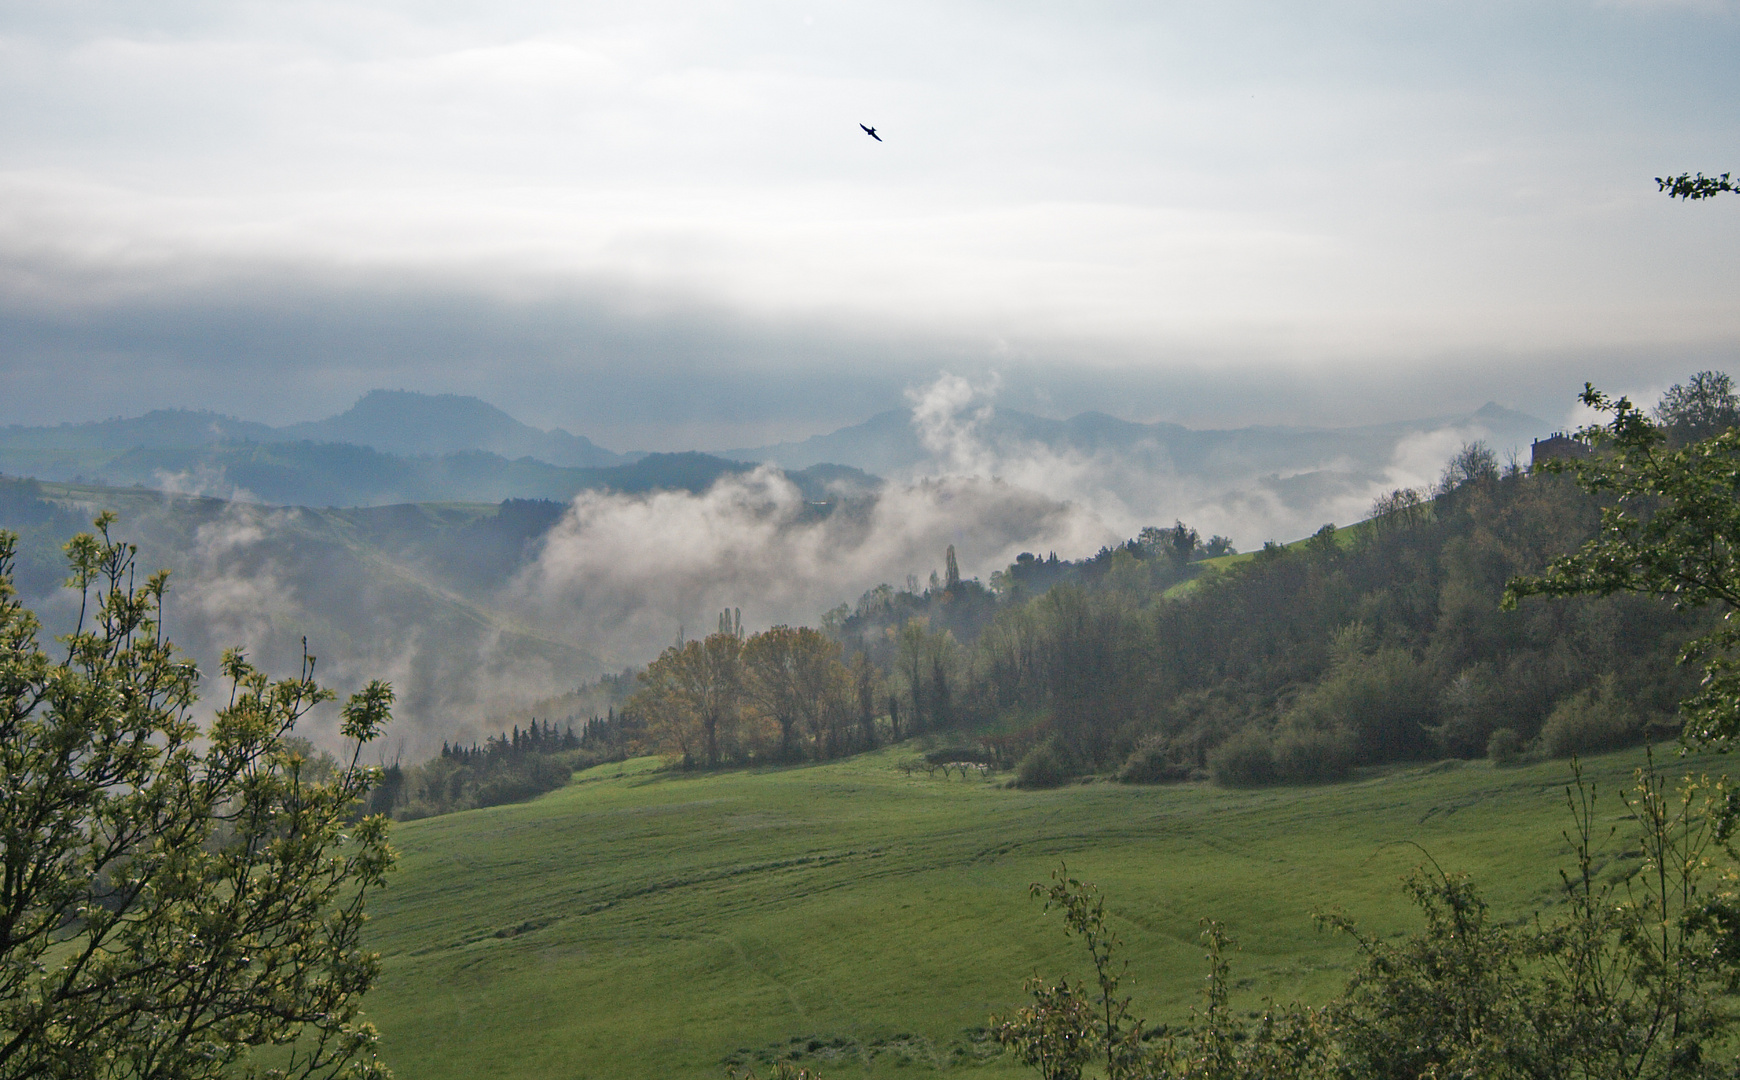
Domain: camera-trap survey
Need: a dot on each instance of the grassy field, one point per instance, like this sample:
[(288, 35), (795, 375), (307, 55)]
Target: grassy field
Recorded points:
[(644, 924)]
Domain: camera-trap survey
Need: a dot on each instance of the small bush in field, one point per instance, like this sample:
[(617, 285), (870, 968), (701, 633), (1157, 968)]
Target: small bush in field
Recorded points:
[(1313, 756), (1591, 721), (1151, 763), (1247, 759), (1041, 768), (1504, 746)]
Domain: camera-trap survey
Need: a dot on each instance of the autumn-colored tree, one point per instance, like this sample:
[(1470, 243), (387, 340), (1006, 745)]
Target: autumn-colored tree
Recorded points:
[(770, 664), (692, 694), (794, 676)]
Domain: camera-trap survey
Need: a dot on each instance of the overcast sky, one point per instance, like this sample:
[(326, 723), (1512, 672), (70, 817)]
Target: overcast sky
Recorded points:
[(659, 224)]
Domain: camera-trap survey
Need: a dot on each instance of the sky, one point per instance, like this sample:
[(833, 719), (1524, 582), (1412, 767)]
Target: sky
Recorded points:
[(659, 224)]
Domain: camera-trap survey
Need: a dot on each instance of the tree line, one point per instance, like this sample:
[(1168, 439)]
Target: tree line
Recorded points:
[(784, 694), (507, 767)]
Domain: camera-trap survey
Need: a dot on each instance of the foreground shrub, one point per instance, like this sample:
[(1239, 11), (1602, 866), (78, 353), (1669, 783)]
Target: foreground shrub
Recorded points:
[(175, 895), (1624, 979)]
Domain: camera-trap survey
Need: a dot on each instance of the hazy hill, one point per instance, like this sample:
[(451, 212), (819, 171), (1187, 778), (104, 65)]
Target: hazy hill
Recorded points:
[(391, 447), (160, 427), (414, 594), (344, 474), (390, 421), (889, 445), (402, 422)]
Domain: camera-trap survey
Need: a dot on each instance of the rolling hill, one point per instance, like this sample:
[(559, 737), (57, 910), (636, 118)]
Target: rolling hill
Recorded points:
[(868, 918)]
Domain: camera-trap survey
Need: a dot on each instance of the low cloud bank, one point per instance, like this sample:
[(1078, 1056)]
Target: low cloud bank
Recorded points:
[(264, 579), (626, 573), (623, 574), (1235, 492)]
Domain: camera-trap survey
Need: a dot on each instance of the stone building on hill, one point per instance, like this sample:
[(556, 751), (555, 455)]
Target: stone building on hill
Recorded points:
[(1557, 446)]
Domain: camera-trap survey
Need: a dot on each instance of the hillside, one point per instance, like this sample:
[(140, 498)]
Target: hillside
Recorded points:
[(310, 473), (641, 924)]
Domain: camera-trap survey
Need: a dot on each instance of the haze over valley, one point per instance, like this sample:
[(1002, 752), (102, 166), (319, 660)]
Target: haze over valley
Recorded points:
[(568, 560)]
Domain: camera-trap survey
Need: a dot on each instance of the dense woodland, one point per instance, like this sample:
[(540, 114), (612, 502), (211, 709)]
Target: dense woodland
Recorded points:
[(1379, 643)]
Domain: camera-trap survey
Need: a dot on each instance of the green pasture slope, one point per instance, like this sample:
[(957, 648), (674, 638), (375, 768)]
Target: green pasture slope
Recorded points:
[(645, 924)]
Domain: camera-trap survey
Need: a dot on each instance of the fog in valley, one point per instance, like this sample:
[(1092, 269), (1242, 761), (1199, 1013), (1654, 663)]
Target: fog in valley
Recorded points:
[(633, 568), (471, 627)]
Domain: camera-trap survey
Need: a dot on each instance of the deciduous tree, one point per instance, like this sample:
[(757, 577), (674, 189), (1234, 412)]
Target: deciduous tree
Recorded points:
[(171, 896), (692, 695), (1703, 406), (793, 674)]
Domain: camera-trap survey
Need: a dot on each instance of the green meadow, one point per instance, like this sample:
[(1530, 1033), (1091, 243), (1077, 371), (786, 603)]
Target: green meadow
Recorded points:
[(641, 923)]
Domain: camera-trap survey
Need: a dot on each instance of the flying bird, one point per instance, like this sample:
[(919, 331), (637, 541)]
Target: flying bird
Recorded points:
[(870, 131)]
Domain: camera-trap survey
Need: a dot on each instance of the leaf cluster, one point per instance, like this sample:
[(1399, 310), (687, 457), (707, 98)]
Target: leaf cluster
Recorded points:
[(1689, 187)]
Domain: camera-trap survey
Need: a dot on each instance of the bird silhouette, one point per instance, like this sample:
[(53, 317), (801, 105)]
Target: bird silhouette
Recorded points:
[(870, 131)]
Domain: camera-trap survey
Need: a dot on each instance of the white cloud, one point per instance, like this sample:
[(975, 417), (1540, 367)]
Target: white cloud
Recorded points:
[(1250, 178), (623, 573), (626, 572)]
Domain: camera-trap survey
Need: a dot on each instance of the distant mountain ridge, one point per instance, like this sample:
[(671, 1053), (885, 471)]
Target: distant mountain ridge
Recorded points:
[(392, 446), (887, 444), (159, 427), (396, 446), (392, 421), (346, 475), (403, 422)]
